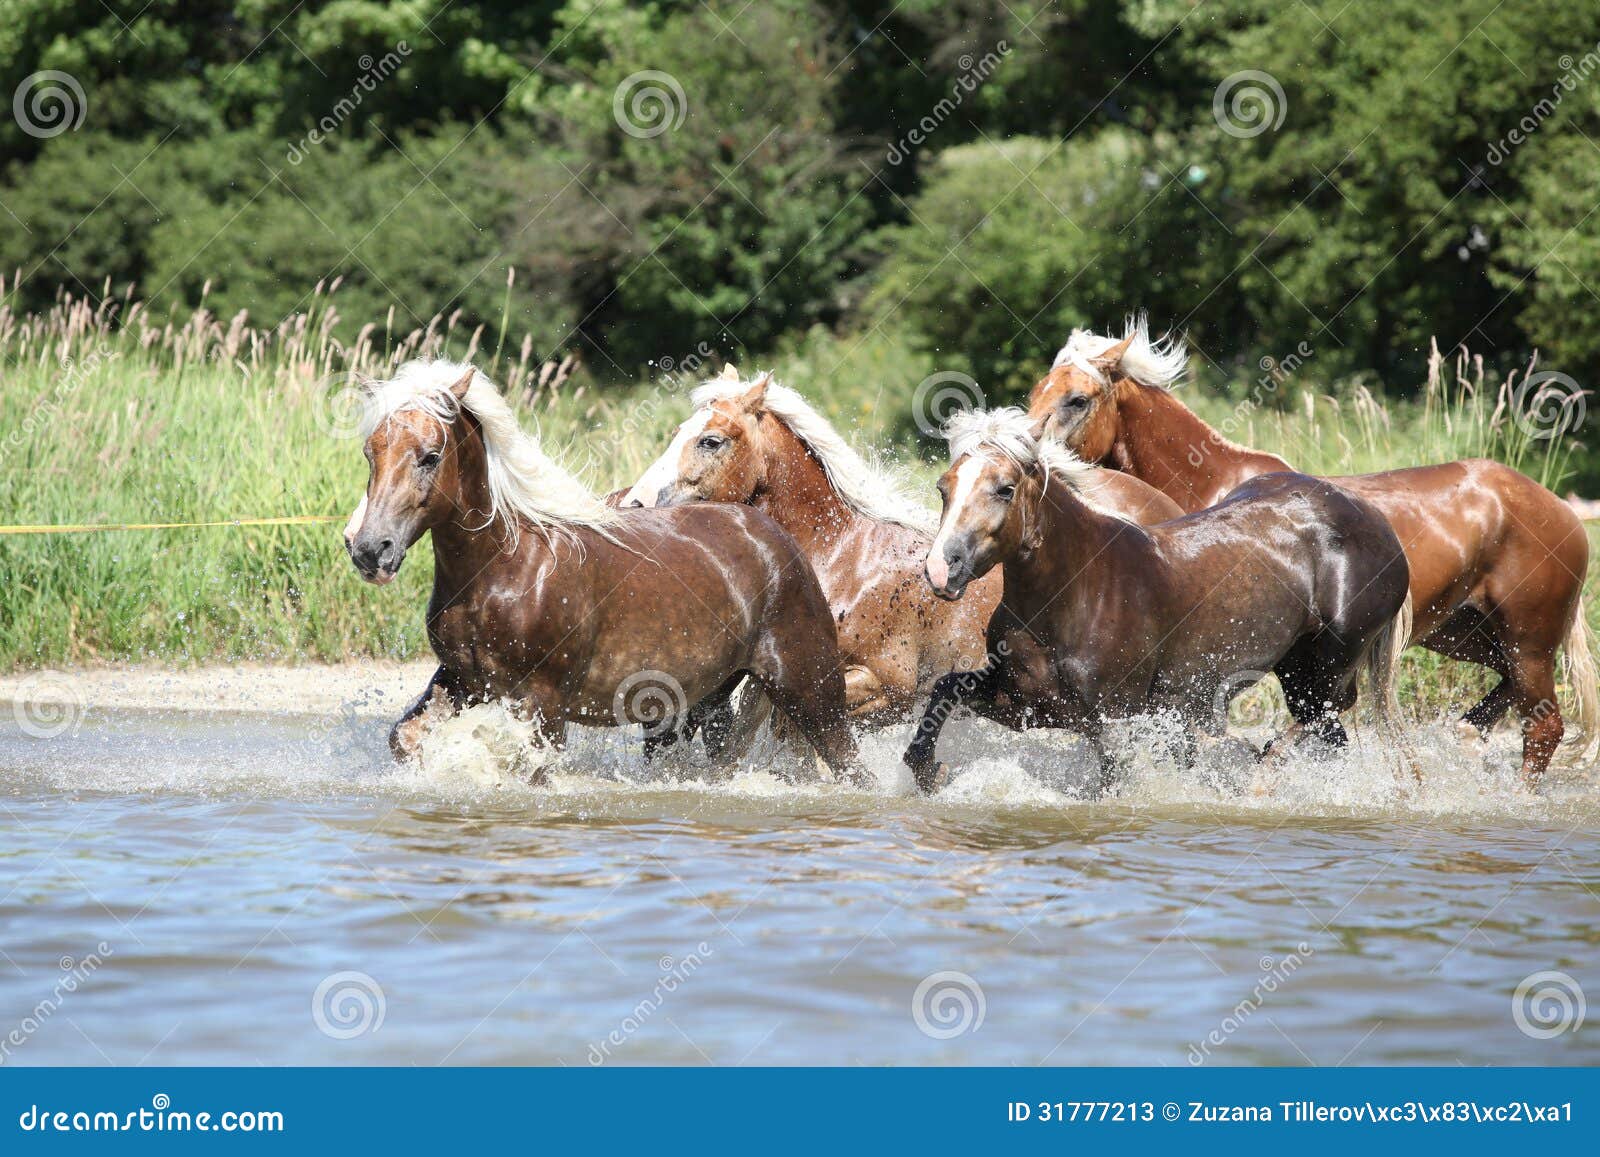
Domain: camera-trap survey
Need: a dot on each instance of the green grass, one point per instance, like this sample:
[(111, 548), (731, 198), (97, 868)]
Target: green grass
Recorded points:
[(156, 420)]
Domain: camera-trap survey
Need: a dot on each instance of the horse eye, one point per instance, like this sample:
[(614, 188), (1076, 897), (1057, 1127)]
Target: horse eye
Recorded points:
[(1005, 493), (1077, 401), (429, 460), (711, 442)]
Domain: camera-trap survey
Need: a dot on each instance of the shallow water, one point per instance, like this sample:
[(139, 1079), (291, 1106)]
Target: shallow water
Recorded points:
[(183, 889)]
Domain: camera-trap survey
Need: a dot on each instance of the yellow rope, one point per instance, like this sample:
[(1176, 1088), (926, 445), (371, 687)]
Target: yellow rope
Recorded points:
[(287, 520)]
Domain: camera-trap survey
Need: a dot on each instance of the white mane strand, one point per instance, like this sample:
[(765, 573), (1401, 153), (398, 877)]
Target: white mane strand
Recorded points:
[(525, 485), (1157, 363), (1008, 433), (870, 490)]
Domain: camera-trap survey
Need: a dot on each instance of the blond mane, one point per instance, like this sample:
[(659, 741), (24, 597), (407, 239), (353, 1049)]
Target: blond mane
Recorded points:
[(1157, 363), (525, 484), (1008, 433), (870, 489)]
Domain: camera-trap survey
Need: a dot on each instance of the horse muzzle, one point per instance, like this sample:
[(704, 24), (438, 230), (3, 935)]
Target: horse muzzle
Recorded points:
[(948, 576), (377, 560)]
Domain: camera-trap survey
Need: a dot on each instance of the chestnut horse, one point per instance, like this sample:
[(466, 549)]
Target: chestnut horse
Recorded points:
[(572, 611), (1103, 619), (1497, 561), (763, 445)]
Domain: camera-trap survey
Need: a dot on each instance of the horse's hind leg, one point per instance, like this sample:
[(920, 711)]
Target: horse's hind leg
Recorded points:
[(713, 718), (1536, 705), (1318, 676), (807, 686)]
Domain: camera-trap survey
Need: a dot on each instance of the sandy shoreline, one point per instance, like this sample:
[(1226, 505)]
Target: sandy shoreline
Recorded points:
[(370, 687)]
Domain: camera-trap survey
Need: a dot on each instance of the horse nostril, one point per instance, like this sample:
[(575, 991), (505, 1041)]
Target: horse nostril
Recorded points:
[(385, 546)]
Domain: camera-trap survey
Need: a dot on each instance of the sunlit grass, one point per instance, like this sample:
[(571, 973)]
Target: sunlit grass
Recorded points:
[(116, 415)]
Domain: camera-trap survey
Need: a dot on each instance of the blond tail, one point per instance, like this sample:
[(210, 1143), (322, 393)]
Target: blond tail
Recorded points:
[(1577, 664), (1383, 682)]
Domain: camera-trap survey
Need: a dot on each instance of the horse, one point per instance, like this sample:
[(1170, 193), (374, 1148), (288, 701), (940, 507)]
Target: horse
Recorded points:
[(572, 611), (1497, 561), (1103, 619), (762, 444)]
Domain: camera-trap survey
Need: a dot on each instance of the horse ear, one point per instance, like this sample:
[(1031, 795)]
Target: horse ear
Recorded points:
[(730, 373), (459, 390), (1112, 358), (754, 400)]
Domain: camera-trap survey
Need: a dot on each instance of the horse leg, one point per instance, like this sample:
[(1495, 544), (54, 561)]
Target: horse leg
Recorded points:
[(958, 689), (438, 700), (881, 696), (713, 717), (1536, 705), (1469, 636)]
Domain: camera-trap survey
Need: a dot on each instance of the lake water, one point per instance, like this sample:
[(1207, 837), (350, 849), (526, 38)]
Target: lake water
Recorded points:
[(196, 889)]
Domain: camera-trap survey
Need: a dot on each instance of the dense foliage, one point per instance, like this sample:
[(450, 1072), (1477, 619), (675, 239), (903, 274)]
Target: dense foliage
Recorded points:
[(979, 176)]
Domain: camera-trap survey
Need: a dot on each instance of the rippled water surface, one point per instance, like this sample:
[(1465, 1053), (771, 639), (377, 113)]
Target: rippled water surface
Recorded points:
[(231, 889)]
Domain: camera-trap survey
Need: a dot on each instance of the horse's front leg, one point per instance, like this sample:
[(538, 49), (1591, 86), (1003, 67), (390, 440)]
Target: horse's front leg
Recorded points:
[(975, 689), (439, 700)]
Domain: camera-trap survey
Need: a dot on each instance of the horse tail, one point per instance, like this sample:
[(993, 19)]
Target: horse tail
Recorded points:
[(1578, 667), (1383, 681)]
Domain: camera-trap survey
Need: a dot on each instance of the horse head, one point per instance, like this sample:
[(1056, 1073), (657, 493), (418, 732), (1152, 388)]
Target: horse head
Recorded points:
[(991, 495), (719, 454), (1076, 403), (414, 484)]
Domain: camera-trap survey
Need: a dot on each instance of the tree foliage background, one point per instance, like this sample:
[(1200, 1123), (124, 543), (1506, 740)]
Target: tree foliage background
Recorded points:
[(1091, 171)]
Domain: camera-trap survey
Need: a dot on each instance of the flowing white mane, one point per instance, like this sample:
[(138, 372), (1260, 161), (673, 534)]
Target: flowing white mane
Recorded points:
[(1157, 363), (1008, 433), (870, 489), (524, 483)]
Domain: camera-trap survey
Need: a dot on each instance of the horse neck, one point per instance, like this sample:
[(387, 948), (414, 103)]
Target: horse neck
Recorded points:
[(1074, 562), (464, 547), (797, 493), (1163, 442)]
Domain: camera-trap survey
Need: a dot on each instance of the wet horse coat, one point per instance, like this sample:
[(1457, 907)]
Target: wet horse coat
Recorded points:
[(760, 443), (573, 612), (1497, 561), (1102, 619)]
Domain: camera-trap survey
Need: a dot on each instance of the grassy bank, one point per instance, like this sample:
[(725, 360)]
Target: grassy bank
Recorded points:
[(158, 419)]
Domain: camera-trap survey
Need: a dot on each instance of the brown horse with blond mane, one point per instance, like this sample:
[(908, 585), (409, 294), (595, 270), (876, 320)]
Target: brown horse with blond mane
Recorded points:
[(761, 444), (1497, 561), (570, 610), (1102, 619)]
